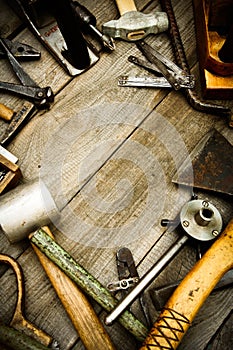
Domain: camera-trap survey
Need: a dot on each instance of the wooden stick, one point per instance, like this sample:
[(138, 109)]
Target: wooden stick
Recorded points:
[(80, 311), (190, 295), (88, 283), (6, 113), (125, 6)]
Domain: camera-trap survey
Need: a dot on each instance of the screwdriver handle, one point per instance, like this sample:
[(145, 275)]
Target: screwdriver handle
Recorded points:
[(85, 17), (80, 311)]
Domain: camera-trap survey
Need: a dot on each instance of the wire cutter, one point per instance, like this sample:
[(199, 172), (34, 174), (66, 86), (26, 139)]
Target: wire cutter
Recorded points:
[(20, 51), (173, 76), (41, 97)]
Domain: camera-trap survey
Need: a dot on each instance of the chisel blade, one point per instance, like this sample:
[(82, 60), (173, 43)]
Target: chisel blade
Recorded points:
[(212, 165)]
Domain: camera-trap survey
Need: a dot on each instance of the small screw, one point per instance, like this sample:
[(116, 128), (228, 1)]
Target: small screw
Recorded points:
[(205, 204), (40, 94), (185, 223), (215, 233)]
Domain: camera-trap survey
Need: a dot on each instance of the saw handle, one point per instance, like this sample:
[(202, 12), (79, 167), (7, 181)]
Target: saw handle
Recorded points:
[(80, 311), (189, 296), (125, 6)]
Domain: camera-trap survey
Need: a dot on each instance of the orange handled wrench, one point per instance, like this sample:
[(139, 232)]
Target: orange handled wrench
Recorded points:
[(189, 296)]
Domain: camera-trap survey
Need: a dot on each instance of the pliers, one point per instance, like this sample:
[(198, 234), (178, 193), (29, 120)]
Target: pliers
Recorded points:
[(173, 76), (29, 89)]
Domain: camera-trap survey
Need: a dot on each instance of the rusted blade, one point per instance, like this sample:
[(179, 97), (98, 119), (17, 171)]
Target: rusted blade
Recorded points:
[(212, 165)]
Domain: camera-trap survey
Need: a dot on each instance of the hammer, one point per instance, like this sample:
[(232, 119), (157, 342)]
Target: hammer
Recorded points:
[(134, 25)]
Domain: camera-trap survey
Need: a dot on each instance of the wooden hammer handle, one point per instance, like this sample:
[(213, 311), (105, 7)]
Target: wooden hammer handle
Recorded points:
[(125, 6), (189, 296), (80, 311)]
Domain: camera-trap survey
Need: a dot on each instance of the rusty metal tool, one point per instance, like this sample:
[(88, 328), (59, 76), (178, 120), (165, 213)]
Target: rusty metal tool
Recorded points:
[(128, 277), (134, 25), (55, 25), (20, 51), (189, 296), (200, 220), (41, 97), (88, 24), (10, 172), (19, 321), (212, 165), (173, 76), (160, 295), (79, 309), (87, 282)]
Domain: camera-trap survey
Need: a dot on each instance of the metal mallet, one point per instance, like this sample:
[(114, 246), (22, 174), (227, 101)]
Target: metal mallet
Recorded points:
[(134, 25)]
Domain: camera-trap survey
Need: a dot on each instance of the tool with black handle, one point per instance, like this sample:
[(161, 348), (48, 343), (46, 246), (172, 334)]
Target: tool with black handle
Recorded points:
[(88, 23)]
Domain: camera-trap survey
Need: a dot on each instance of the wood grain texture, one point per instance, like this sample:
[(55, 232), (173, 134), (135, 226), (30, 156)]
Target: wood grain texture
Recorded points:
[(113, 174)]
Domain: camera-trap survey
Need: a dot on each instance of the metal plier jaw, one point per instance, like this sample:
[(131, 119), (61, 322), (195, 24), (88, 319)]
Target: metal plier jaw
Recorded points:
[(41, 97), (20, 51)]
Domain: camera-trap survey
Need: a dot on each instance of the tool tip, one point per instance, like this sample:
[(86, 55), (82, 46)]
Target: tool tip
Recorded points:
[(108, 42)]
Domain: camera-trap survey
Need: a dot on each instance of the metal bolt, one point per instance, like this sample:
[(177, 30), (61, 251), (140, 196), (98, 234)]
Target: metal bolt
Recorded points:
[(185, 223), (205, 204), (215, 233), (40, 94)]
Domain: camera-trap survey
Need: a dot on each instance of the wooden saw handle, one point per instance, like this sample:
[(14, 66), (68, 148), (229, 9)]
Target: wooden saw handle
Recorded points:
[(125, 6), (189, 296), (80, 311)]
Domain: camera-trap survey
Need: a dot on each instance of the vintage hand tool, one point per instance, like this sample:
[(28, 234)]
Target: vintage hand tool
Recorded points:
[(173, 76), (19, 321), (160, 295), (6, 113), (9, 170), (190, 295), (212, 166), (26, 208), (61, 36), (19, 119), (87, 282), (134, 25), (128, 277), (199, 219), (79, 309), (181, 60), (21, 51), (42, 97), (88, 24)]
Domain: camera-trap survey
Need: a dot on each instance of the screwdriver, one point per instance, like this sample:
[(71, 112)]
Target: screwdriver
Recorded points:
[(88, 22)]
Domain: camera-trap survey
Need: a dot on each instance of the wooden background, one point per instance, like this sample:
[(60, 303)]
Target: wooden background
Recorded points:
[(112, 140)]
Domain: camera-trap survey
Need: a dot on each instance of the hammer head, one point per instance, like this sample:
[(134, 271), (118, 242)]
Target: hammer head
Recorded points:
[(135, 25)]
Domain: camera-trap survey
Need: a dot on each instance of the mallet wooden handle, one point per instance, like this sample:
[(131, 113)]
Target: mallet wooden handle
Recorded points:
[(80, 311), (125, 6), (189, 296)]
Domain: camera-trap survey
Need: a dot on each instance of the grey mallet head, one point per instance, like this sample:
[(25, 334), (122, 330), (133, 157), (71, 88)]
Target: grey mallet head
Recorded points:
[(135, 25)]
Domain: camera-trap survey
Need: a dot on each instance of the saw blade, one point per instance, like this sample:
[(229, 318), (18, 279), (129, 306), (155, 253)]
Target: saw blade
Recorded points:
[(212, 165)]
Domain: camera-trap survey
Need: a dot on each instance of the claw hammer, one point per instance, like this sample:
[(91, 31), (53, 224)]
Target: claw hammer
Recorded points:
[(134, 25)]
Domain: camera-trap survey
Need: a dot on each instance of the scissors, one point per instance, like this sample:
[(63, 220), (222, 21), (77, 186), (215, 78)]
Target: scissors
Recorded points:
[(19, 322), (20, 51)]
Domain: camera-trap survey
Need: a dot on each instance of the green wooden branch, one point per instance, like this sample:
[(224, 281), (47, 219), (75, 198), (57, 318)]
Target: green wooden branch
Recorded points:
[(89, 284)]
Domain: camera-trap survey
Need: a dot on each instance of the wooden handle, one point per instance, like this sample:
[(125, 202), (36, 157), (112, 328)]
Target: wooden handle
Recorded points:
[(80, 311), (5, 112), (189, 296), (125, 6)]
